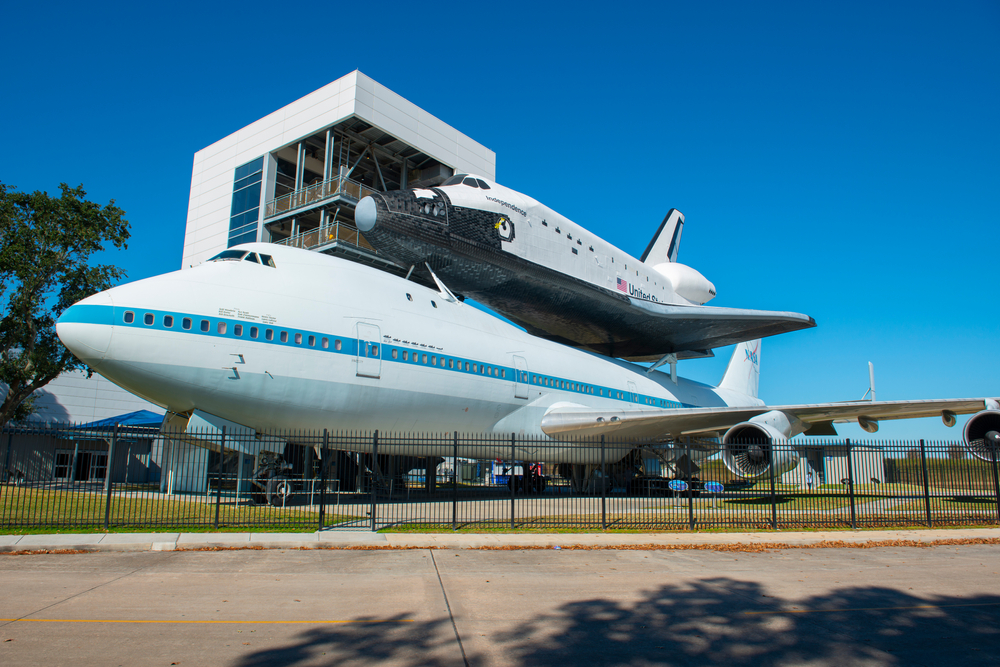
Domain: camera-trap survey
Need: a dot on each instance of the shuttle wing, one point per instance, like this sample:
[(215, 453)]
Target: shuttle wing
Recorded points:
[(657, 423)]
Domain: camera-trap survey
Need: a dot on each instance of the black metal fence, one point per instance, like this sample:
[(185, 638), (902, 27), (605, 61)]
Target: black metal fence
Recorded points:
[(139, 478)]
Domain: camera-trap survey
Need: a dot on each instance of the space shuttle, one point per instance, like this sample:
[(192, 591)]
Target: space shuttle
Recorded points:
[(556, 279)]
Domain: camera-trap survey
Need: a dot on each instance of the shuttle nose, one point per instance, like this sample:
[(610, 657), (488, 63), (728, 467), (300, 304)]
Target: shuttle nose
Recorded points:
[(85, 328), (366, 214)]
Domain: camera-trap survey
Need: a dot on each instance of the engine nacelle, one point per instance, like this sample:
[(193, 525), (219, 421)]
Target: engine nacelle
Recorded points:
[(982, 435), (687, 282), (749, 449)]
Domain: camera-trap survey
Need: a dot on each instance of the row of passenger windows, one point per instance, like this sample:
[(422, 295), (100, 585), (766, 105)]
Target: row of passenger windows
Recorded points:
[(445, 362), (416, 357), (149, 319)]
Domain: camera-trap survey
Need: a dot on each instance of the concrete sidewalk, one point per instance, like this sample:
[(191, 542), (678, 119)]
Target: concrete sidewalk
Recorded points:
[(346, 539)]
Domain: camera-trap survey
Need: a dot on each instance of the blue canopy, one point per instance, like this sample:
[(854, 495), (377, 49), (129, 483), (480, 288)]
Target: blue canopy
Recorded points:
[(143, 418)]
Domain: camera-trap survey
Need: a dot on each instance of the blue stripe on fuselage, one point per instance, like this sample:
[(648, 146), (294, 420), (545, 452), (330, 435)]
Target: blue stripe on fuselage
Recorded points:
[(114, 316)]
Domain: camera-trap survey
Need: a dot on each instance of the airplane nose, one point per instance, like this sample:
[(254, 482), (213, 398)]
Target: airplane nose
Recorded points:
[(85, 328), (366, 214)]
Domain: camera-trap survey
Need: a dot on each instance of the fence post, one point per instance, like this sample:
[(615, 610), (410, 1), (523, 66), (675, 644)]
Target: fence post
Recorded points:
[(6, 458), (604, 490), (454, 483), (510, 478), (774, 498), (324, 463), (690, 482), (850, 486), (372, 480), (996, 479), (218, 476), (108, 484), (927, 486)]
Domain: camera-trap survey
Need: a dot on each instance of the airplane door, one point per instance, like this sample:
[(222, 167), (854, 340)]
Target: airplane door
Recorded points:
[(369, 350), (633, 392), (520, 377)]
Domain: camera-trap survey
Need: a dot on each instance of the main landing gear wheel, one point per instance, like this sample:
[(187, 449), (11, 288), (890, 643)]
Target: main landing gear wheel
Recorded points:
[(279, 490)]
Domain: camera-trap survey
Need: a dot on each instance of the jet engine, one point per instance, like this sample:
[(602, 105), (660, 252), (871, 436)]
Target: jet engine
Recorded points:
[(748, 449), (982, 435), (687, 282)]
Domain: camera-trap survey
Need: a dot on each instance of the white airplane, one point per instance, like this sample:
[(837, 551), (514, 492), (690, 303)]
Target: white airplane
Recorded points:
[(276, 338), (555, 278)]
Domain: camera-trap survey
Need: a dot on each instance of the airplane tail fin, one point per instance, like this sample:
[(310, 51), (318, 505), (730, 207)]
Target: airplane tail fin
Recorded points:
[(666, 241), (743, 373)]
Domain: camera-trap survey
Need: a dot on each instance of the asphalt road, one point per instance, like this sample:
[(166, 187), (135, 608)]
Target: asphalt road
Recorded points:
[(883, 606)]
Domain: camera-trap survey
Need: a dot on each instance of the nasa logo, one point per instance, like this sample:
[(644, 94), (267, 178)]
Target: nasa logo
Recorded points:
[(505, 228), (751, 356)]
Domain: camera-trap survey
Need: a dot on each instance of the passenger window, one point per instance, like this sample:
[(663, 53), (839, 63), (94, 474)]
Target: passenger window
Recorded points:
[(503, 372), (269, 334), (251, 257), (186, 323), (406, 355), (148, 319), (298, 339), (466, 366), (204, 325), (237, 329), (283, 336), (312, 341), (221, 327), (168, 321), (434, 361), (325, 343), (374, 350), (253, 332), (451, 363), (424, 358), (337, 344), (129, 317), (395, 354), (266, 259), (475, 368)]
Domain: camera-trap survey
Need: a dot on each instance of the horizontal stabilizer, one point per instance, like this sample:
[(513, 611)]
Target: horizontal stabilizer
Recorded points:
[(666, 241)]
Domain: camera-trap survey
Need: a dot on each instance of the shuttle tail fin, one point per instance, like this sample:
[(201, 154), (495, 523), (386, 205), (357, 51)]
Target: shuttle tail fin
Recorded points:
[(743, 373), (666, 241)]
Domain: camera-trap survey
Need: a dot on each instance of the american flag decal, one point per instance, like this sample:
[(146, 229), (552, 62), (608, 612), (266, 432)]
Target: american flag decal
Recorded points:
[(622, 286)]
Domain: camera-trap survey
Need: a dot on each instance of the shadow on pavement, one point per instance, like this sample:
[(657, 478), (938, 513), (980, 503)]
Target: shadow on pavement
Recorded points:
[(718, 620)]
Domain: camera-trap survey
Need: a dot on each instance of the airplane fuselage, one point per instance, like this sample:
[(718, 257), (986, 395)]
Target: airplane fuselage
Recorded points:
[(317, 342)]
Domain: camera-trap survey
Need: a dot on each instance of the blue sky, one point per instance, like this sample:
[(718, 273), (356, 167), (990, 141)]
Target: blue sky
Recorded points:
[(837, 159)]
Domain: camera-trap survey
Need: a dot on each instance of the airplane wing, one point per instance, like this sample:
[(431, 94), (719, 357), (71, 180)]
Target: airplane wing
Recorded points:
[(658, 423), (568, 311)]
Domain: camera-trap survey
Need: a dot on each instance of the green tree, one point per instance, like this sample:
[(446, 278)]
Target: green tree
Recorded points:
[(45, 245)]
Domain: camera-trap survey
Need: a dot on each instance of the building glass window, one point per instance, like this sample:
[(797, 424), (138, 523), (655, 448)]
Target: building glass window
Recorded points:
[(245, 211)]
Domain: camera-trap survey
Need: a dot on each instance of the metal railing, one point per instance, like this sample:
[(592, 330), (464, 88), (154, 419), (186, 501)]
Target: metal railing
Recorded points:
[(328, 234), (65, 476), (315, 193)]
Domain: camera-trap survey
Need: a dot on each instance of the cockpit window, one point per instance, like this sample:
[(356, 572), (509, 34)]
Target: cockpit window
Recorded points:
[(482, 184), (471, 182), (251, 257), (455, 180), (266, 260), (229, 256)]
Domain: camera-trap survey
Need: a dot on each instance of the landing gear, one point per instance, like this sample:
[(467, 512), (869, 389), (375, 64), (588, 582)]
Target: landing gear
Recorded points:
[(531, 482), (279, 490)]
